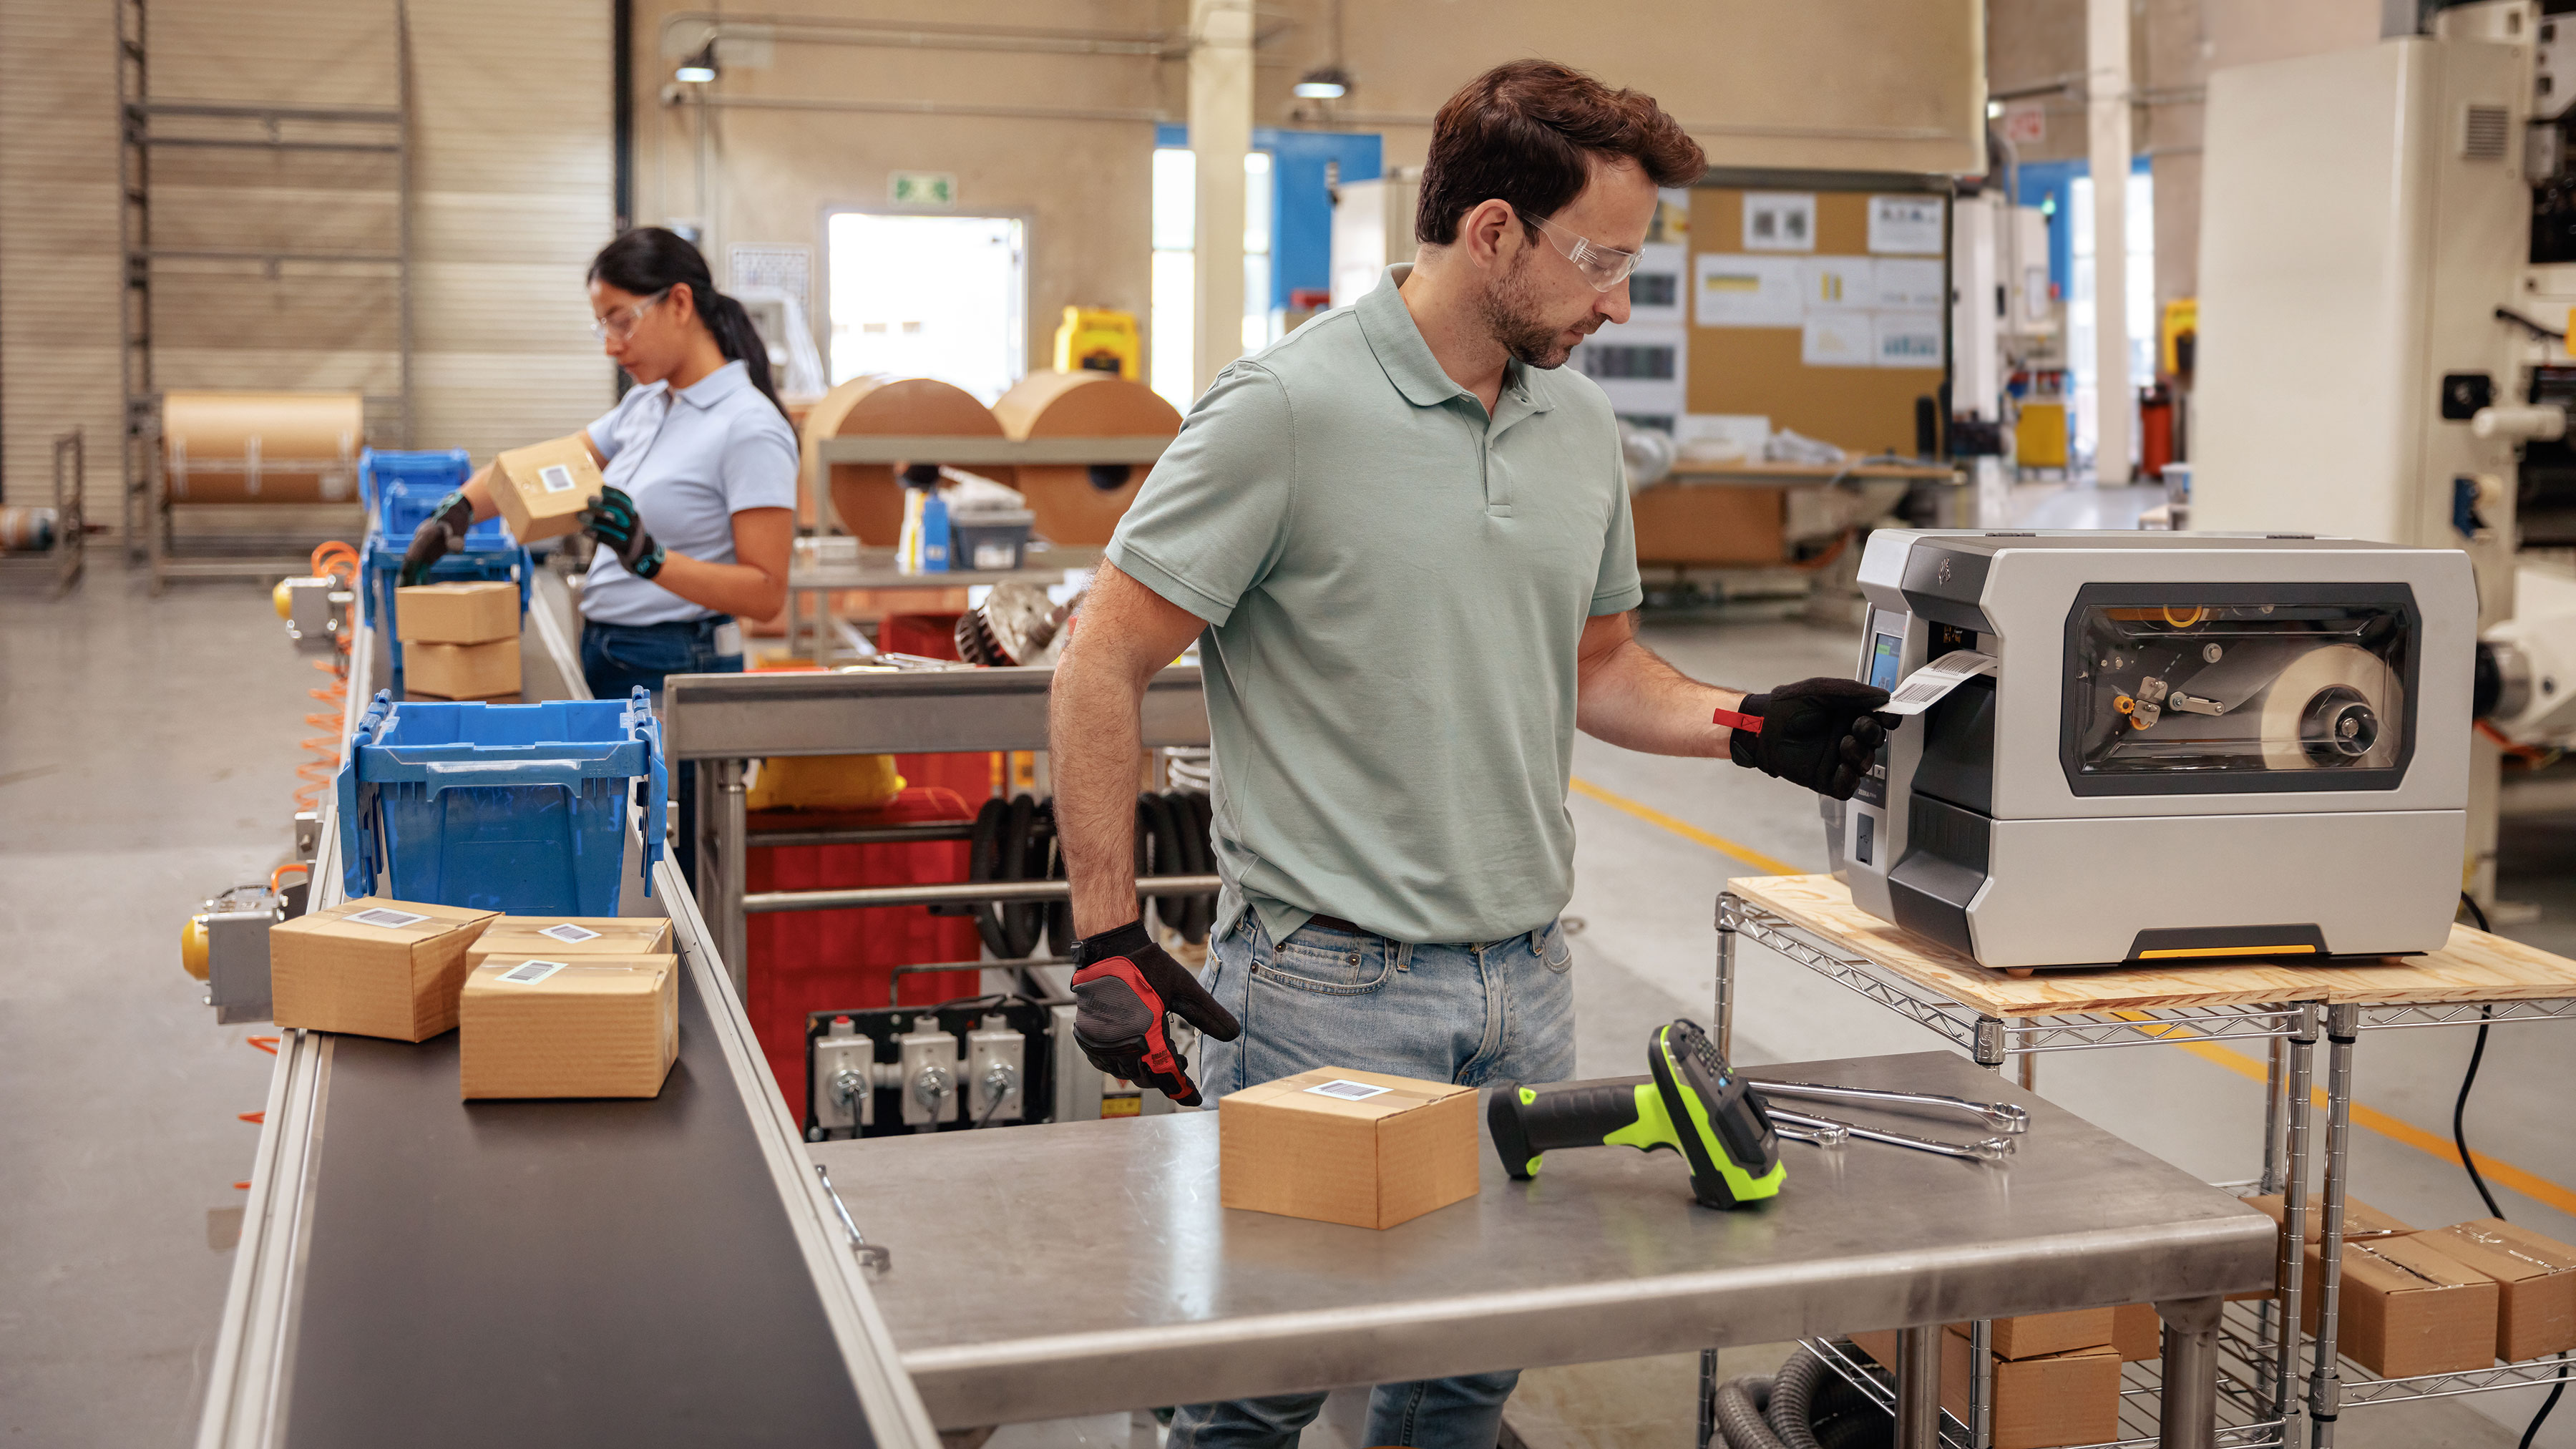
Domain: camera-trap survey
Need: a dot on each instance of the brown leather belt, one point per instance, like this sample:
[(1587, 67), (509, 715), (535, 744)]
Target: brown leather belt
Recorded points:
[(1336, 923)]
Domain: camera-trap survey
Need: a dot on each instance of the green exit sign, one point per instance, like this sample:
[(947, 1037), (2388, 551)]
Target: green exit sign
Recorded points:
[(924, 188)]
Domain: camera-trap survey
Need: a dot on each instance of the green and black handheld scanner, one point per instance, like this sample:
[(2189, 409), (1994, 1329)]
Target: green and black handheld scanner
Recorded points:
[(1688, 1102)]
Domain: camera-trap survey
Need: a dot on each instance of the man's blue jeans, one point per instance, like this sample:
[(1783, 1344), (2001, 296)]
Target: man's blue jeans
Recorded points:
[(1467, 1013)]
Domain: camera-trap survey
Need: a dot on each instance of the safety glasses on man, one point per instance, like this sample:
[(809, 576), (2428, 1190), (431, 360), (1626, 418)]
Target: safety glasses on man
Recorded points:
[(1604, 267)]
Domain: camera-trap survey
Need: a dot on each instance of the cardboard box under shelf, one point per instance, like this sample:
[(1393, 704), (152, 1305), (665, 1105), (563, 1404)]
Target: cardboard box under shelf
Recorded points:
[(1360, 1148), (373, 967), (542, 488), (2405, 1308), (2361, 1221), (524, 936), (2137, 1332), (475, 612), (573, 1026), (2040, 1403), (2037, 1335), (462, 671), (2535, 1283)]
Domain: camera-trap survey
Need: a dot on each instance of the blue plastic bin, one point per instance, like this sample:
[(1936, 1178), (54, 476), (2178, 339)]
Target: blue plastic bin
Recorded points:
[(518, 808), (401, 488)]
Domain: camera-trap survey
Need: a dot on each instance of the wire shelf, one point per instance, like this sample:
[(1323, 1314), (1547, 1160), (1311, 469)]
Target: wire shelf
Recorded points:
[(1990, 1038), (2242, 1421), (2241, 1337), (2465, 1013)]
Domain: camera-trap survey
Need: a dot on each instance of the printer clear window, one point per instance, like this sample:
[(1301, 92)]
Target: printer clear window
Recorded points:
[(2191, 687)]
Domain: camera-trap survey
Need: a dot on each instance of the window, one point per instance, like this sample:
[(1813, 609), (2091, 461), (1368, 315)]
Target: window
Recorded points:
[(929, 296), (1171, 347), (2141, 298)]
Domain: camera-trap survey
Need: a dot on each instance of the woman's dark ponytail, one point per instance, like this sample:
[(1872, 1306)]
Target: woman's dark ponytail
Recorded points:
[(652, 259)]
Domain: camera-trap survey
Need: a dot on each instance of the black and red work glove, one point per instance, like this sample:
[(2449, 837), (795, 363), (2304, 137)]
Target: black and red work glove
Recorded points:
[(440, 534), (1123, 986), (1820, 733)]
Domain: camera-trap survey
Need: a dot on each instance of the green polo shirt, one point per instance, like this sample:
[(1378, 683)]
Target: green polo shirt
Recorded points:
[(1394, 586)]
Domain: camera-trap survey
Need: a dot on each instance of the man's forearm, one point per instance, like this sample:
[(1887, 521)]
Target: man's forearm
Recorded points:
[(1634, 700), (1093, 740)]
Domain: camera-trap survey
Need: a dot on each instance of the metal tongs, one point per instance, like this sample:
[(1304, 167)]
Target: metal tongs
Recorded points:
[(1829, 1132)]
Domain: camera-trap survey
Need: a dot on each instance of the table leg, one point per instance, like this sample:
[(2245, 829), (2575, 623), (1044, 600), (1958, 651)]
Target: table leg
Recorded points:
[(735, 835), (2325, 1385), (2188, 1415), (1981, 1381), (2289, 1262), (1707, 1398), (1918, 1388), (1727, 905)]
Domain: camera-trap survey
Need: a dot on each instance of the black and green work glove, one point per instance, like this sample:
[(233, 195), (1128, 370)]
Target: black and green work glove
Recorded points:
[(612, 522), (1820, 733), (439, 535)]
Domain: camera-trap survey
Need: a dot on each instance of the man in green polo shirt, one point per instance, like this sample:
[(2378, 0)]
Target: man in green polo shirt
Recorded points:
[(1401, 537)]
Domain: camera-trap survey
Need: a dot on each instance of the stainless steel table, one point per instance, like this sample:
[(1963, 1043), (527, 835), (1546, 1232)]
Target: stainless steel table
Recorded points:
[(876, 569), (1057, 1270)]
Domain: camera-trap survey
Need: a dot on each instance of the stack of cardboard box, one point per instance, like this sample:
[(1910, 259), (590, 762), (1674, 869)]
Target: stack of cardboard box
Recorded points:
[(2056, 1375), (548, 1006), (460, 640)]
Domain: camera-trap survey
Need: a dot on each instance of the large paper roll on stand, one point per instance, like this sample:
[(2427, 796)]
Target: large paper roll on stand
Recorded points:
[(1071, 503), (866, 497), (262, 447)]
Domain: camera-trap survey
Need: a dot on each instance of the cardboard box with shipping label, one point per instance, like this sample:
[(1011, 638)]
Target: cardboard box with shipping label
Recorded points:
[(569, 1026), (520, 937), (2535, 1283), (2040, 1403), (2036, 1335), (542, 488), (462, 671), (1349, 1147), (475, 612), (2406, 1308), (373, 967)]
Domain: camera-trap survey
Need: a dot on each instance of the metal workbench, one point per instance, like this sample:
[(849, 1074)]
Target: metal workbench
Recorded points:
[(416, 1270), (877, 569), (1807, 920), (1604, 1255)]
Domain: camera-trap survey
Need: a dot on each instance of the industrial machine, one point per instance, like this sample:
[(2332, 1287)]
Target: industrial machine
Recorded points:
[(2164, 747)]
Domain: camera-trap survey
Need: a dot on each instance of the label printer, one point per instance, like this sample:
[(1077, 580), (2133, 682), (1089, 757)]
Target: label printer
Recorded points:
[(2144, 747)]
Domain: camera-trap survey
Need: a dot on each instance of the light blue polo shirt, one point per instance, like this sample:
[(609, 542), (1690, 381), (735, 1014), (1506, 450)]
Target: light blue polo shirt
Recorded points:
[(691, 460), (1394, 586)]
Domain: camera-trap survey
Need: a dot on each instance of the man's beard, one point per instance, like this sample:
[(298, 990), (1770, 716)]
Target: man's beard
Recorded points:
[(1511, 315)]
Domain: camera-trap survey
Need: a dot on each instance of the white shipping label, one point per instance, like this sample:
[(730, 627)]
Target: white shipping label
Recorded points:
[(529, 973), (391, 920), (1925, 687), (569, 934), (555, 478), (1348, 1091)]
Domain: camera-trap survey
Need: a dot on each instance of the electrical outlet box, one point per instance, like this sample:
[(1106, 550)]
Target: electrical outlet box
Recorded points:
[(929, 1077), (838, 1104), (996, 1069)]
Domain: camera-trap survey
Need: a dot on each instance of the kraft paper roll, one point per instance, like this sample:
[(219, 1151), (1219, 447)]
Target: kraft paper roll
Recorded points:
[(262, 447), (1070, 508), (866, 496)]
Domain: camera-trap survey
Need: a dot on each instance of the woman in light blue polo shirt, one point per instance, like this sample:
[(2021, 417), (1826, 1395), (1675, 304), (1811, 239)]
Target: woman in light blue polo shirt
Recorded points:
[(699, 513)]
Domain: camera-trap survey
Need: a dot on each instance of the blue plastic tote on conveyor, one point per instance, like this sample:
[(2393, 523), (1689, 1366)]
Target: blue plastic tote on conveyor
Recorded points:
[(400, 489), (511, 807)]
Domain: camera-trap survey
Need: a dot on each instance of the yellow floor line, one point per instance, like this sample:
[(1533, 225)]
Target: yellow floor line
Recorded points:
[(1684, 829), (2503, 1174)]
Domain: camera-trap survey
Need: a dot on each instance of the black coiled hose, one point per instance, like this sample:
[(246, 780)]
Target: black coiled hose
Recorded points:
[(1808, 1406)]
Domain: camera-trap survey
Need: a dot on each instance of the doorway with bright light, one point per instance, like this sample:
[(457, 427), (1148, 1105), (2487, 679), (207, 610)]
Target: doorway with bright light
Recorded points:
[(929, 296)]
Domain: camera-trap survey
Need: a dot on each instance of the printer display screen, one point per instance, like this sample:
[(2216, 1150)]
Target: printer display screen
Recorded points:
[(1884, 652), (2196, 686)]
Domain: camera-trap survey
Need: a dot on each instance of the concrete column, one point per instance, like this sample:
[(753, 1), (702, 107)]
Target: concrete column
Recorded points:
[(2106, 61), (1220, 137)]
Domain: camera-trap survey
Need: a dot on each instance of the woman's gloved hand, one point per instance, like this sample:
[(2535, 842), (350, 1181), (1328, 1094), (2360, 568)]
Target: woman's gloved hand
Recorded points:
[(1820, 733), (611, 521), (439, 535)]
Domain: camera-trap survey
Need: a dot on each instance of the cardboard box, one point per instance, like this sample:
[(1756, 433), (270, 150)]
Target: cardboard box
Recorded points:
[(1349, 1147), (2535, 1283), (519, 937), (2036, 1335), (2040, 1403), (2137, 1331), (542, 488), (373, 967), (462, 671), (2361, 1221), (2406, 1308), (457, 613), (572, 1026)]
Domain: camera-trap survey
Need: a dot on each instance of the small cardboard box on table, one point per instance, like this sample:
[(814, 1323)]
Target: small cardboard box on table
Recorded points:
[(542, 488), (569, 1026), (519, 937), (373, 967), (1340, 1146)]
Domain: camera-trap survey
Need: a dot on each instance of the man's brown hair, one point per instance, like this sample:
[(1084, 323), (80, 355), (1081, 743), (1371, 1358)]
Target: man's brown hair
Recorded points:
[(1526, 132)]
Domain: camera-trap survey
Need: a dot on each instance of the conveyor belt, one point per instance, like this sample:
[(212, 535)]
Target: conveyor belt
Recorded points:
[(417, 1270)]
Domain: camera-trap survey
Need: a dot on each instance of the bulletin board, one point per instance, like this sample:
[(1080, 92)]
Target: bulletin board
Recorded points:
[(1773, 363)]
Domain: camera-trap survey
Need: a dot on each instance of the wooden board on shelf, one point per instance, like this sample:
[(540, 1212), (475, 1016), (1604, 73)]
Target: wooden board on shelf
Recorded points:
[(2474, 966)]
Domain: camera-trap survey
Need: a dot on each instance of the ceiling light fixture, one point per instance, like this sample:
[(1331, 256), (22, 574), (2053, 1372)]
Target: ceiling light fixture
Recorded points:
[(700, 68), (1325, 83)]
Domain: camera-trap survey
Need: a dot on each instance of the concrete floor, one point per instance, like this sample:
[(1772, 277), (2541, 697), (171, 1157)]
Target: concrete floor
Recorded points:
[(147, 753)]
